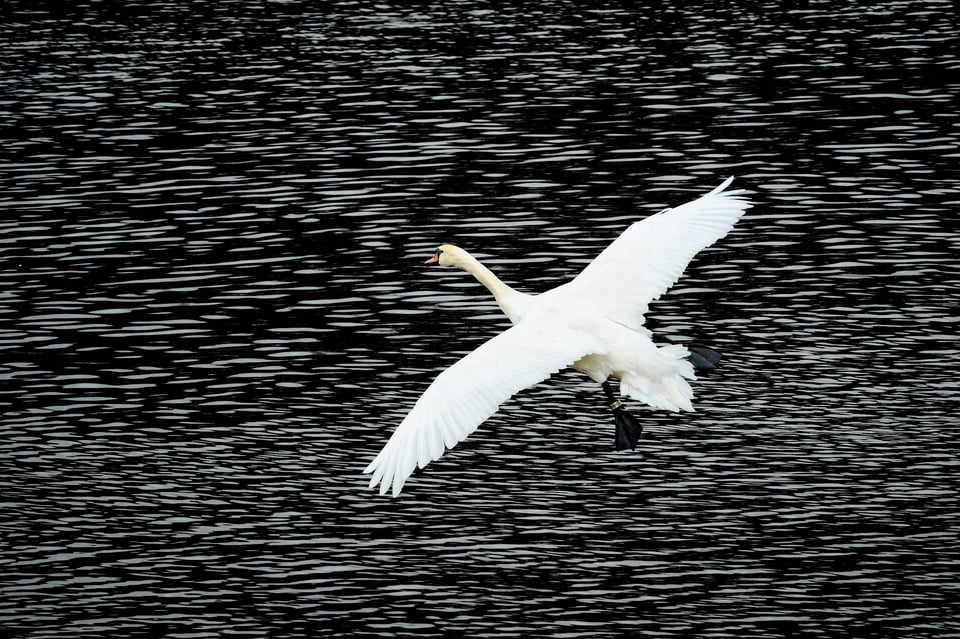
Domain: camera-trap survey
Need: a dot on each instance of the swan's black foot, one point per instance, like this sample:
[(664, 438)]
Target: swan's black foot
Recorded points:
[(703, 358), (628, 429)]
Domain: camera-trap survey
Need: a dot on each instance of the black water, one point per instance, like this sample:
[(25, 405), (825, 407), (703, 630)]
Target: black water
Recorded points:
[(213, 313)]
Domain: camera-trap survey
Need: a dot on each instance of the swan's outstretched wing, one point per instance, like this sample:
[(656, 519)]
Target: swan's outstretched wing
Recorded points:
[(649, 257), (470, 391)]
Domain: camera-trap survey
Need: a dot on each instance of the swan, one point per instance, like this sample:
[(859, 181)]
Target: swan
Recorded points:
[(593, 323)]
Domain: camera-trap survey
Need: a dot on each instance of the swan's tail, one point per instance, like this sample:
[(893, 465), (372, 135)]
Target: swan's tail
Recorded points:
[(665, 384)]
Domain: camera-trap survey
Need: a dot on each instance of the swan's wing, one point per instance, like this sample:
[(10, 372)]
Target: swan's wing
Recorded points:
[(649, 257), (470, 391)]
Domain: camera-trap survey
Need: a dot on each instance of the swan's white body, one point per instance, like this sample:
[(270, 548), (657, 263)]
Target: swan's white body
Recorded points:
[(593, 323)]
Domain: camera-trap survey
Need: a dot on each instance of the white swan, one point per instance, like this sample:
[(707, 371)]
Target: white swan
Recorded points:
[(593, 323)]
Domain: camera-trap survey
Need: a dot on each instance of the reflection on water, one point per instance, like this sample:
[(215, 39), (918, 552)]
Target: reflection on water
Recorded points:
[(213, 314)]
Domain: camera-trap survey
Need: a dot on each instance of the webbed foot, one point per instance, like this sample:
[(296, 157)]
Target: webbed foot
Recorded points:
[(704, 358), (628, 429)]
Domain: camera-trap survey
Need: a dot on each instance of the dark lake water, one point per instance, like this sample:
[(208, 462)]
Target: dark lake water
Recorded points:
[(213, 313)]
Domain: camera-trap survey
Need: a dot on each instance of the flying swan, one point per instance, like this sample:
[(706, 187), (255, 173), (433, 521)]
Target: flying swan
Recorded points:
[(593, 323)]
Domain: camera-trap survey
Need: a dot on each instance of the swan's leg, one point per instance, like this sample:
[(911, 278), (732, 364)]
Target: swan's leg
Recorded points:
[(628, 429)]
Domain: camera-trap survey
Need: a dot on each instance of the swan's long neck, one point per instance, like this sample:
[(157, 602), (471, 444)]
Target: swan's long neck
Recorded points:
[(511, 301)]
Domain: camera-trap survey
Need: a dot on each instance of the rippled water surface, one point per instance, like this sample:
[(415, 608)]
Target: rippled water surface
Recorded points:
[(213, 313)]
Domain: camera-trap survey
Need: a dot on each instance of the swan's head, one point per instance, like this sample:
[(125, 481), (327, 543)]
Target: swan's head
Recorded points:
[(449, 255)]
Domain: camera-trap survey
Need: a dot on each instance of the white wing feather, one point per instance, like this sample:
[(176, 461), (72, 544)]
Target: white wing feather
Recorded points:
[(651, 255), (466, 394)]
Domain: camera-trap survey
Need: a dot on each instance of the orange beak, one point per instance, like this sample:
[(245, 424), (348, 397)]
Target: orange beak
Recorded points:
[(432, 260)]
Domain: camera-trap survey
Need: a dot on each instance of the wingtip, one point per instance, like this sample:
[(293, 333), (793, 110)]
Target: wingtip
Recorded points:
[(382, 482), (723, 186), (734, 195)]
